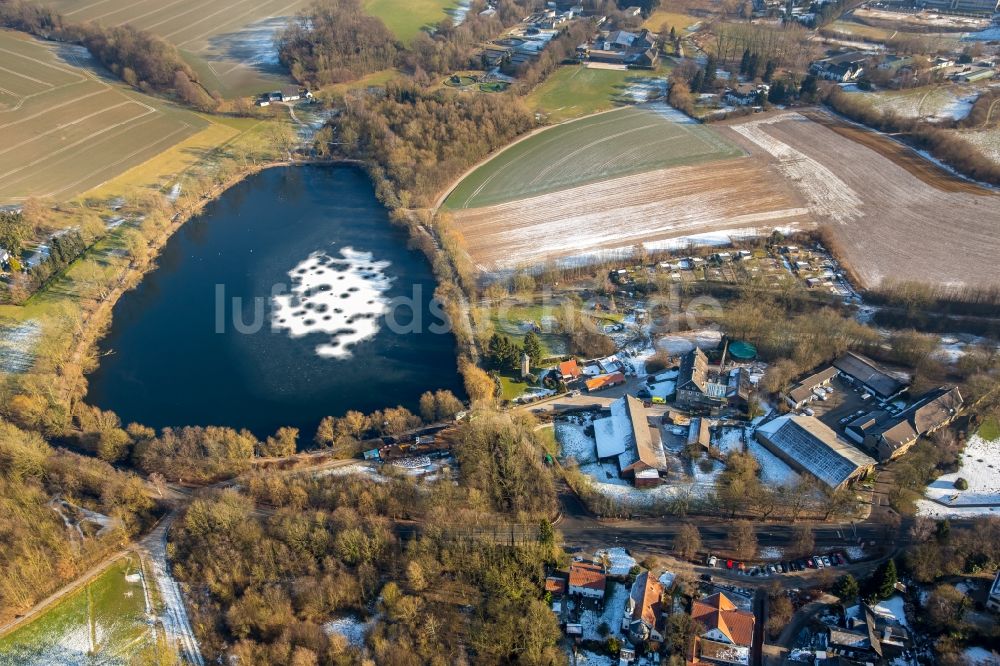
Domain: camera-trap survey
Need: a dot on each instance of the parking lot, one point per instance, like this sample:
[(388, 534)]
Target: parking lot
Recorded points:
[(832, 560), (841, 403)]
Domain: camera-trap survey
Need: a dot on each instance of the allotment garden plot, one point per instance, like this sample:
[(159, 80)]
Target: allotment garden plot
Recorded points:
[(66, 129), (229, 42), (621, 142)]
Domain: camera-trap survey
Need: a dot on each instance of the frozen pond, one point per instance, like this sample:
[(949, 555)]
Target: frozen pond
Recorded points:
[(276, 307)]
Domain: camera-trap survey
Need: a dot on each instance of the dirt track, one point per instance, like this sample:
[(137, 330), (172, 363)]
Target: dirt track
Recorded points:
[(896, 215)]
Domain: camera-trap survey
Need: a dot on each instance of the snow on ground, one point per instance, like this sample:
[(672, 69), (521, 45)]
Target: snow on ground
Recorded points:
[(350, 627), (614, 610), (731, 439), (575, 444), (773, 470), (977, 656), (620, 563), (771, 553), (342, 298), (588, 658), (988, 35), (367, 469), (892, 608), (980, 466), (855, 553), (17, 346), (664, 385), (682, 343), (645, 89), (826, 194)]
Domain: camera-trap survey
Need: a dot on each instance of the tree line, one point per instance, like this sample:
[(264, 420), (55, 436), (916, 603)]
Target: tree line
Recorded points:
[(263, 585)]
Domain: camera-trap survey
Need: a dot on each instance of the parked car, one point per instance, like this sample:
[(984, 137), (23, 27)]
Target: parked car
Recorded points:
[(707, 578), (840, 559), (810, 563), (819, 561), (729, 564), (826, 561), (712, 560), (808, 412)]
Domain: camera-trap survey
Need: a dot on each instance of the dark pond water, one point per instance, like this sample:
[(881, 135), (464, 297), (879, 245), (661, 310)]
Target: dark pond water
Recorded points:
[(275, 307)]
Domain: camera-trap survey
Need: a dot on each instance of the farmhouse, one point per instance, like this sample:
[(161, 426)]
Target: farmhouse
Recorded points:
[(866, 373), (889, 436), (587, 580), (620, 47), (805, 390), (628, 437), (869, 638), (810, 447), (728, 635), (644, 610), (844, 67), (701, 388), (746, 94)]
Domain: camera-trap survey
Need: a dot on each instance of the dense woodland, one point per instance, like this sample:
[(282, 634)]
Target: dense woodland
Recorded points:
[(448, 593), (416, 142), (39, 550)]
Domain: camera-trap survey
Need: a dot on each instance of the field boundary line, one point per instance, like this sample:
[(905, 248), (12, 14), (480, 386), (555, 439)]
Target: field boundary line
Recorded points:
[(226, 8), (240, 18), (133, 19), (78, 75), (70, 124), (53, 107), (122, 159), (86, 7), (73, 145), (119, 10), (30, 78)]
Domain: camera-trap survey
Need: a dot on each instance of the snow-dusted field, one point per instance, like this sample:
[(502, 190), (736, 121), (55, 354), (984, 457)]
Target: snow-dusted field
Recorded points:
[(980, 466), (342, 298), (620, 563), (350, 627)]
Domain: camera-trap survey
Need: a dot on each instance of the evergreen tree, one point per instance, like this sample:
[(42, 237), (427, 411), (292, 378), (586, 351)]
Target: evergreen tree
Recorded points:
[(709, 81), (503, 354), (533, 347), (846, 588), (745, 61), (698, 81), (753, 66), (883, 582), (769, 71), (809, 86), (778, 93)]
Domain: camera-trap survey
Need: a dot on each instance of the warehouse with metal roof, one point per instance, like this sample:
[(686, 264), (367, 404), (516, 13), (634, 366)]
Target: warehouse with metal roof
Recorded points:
[(811, 447)]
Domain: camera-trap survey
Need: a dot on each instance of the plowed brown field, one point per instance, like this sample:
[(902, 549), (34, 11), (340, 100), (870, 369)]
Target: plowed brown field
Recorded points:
[(897, 216), (621, 212), (894, 221)]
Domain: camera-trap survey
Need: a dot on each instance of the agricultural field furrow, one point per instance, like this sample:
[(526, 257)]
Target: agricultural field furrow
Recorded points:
[(230, 43), (617, 213), (908, 219), (75, 130), (617, 143)]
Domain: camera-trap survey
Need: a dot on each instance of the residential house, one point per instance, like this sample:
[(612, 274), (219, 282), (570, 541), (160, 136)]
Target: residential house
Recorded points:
[(627, 437), (844, 67), (889, 436), (804, 391), (728, 635), (621, 47), (809, 446), (869, 375), (746, 94), (569, 370), (644, 611), (587, 580), (870, 637)]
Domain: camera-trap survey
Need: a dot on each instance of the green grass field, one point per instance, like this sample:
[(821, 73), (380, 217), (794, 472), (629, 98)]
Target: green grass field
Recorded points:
[(990, 430), (104, 622), (573, 91), (617, 143), (66, 130), (407, 19)]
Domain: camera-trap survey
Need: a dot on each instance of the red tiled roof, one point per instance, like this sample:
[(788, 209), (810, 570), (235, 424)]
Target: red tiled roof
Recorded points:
[(601, 381), (569, 368), (718, 612), (583, 574), (555, 585)]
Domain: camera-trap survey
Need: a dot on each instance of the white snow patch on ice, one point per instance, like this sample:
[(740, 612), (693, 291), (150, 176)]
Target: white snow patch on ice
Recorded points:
[(978, 656), (342, 298)]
